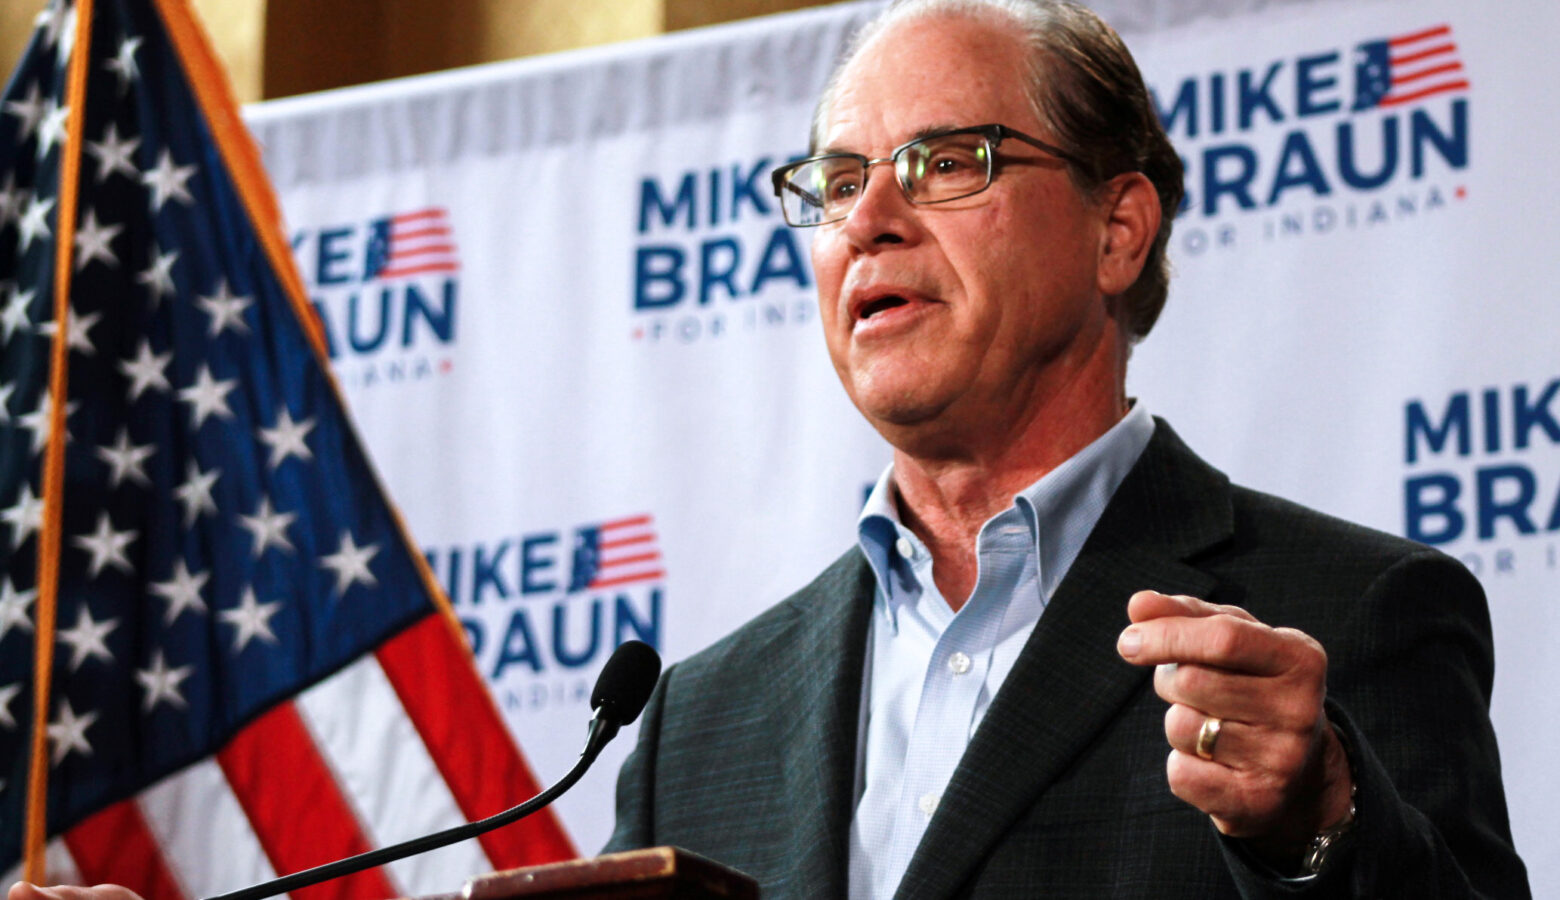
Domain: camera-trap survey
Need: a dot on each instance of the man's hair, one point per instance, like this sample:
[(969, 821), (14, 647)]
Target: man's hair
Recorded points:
[(1086, 89)]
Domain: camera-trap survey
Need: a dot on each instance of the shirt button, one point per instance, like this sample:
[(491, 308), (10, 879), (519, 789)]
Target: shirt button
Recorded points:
[(905, 548), (928, 804), (959, 663)]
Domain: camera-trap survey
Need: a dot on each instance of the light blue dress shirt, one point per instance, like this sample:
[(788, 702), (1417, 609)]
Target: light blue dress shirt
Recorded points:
[(931, 673)]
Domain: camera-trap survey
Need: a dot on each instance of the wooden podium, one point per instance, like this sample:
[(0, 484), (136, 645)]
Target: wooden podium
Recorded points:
[(654, 873)]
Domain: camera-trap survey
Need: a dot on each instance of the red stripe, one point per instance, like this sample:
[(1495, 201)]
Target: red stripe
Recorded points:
[(1426, 73), (1436, 31), (626, 560), (418, 270), (296, 808), (628, 541), (432, 212), (628, 579), (437, 682), (115, 845), (1399, 99), (1424, 54), (627, 523), (421, 232), (423, 250)]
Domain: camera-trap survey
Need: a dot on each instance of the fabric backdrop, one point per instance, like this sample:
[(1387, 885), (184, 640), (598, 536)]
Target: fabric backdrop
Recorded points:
[(583, 348)]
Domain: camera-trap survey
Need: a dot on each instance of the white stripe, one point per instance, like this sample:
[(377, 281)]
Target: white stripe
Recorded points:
[(388, 776), (58, 867), (205, 836)]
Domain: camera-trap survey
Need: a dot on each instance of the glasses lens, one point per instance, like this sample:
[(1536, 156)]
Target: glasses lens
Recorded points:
[(945, 167), (821, 190)]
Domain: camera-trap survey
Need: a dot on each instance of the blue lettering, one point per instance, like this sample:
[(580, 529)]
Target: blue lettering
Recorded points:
[(1526, 416), (358, 343), (1492, 420), (1297, 149), (647, 629), (750, 188), (1308, 84), (1417, 423), (1492, 509), (1254, 97), (326, 270), (418, 308), (658, 265), (1348, 165), (531, 564), (519, 646), (474, 634), (1432, 497), (781, 259), (1239, 187), (1185, 104), (568, 659), (651, 199), (716, 272), (1452, 147), (485, 572)]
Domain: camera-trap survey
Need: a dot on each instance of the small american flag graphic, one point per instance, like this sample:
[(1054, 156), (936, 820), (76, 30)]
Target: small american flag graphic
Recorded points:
[(616, 553), (412, 243), (1409, 67)]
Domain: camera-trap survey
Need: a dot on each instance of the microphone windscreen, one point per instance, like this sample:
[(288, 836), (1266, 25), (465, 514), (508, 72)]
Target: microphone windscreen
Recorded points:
[(626, 681)]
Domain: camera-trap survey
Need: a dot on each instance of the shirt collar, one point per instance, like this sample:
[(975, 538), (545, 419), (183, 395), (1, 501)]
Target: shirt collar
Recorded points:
[(1061, 508)]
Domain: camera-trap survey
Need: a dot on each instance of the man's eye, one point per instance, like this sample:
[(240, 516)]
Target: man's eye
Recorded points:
[(843, 189)]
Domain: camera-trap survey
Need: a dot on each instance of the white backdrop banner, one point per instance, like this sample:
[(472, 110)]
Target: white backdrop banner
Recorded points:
[(584, 350)]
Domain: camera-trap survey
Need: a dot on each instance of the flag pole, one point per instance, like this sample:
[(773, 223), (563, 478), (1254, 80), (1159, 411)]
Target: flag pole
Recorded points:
[(54, 452)]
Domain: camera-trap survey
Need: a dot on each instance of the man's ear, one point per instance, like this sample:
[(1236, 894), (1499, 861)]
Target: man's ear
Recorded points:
[(1130, 207)]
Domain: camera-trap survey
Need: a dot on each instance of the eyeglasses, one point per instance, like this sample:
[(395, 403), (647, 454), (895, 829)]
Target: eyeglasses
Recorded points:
[(934, 169)]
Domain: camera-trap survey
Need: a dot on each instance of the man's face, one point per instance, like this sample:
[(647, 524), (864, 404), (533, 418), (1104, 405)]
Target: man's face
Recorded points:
[(967, 313)]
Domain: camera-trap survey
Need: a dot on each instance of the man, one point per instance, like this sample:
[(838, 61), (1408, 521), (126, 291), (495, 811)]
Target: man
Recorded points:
[(974, 701)]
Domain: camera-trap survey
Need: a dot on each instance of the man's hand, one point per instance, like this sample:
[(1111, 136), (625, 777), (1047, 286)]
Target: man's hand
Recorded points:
[(1278, 773), (24, 891)]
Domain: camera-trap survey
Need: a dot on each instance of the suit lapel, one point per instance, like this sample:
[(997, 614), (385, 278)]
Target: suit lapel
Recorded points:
[(1069, 682), (821, 703)]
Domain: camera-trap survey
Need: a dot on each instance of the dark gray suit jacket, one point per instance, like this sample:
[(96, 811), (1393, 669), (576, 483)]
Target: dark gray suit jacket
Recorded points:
[(748, 750)]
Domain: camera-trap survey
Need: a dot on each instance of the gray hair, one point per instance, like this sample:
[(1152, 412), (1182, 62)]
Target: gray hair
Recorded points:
[(1087, 90)]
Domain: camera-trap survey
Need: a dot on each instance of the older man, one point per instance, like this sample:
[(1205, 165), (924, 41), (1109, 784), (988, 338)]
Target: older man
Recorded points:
[(962, 705)]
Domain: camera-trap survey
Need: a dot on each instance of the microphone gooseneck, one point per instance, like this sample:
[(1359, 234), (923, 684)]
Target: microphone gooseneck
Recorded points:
[(620, 694)]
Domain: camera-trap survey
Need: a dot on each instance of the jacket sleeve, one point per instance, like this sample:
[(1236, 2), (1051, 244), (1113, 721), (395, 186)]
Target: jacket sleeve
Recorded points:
[(635, 826), (1409, 688)]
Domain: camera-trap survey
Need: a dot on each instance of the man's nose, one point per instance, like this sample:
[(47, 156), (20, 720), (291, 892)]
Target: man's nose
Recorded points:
[(882, 214)]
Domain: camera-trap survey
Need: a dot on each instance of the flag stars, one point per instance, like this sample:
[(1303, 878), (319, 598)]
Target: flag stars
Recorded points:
[(287, 438), (268, 527), (6, 390), (147, 370), (208, 396), (106, 546), (123, 63), (51, 130), (13, 608), (69, 732), (38, 422), (93, 241), (11, 198), (29, 110), (195, 493), (126, 460), (15, 314), (250, 619), (226, 309), (113, 154), (7, 694), (25, 517), (158, 275), (350, 563), (76, 328), (167, 181), (182, 592), (88, 640), (34, 223), (161, 683)]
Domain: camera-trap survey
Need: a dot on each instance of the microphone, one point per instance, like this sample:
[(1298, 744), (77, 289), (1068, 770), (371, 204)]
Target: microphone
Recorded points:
[(621, 691)]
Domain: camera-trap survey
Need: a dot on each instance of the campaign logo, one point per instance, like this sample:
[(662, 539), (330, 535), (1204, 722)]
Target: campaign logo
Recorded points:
[(1483, 475), (544, 610), (386, 292), (1355, 137), (714, 257)]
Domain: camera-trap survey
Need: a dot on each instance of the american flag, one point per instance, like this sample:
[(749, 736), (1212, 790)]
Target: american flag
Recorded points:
[(1409, 67), (411, 243), (221, 657), (615, 553)]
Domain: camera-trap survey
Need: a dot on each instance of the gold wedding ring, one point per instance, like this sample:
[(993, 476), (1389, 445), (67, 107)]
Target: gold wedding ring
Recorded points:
[(1208, 735)]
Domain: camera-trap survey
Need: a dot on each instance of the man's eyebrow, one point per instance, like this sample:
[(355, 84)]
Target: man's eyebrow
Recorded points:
[(919, 134)]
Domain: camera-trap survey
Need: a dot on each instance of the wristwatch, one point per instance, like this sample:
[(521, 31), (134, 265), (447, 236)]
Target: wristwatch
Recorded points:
[(1327, 842)]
